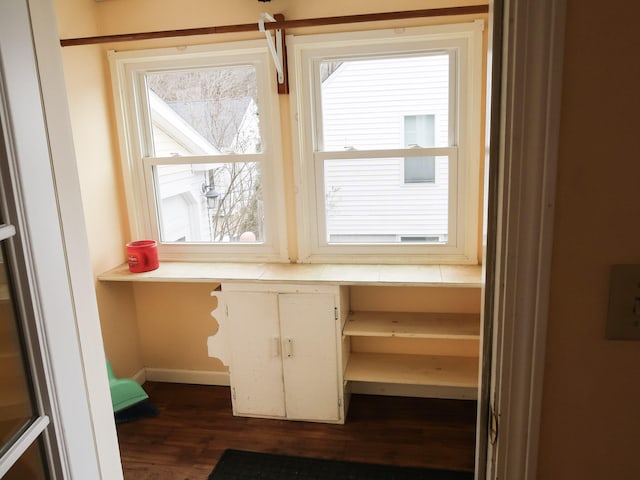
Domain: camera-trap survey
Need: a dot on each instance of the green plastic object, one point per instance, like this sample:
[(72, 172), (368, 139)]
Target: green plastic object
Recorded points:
[(125, 392)]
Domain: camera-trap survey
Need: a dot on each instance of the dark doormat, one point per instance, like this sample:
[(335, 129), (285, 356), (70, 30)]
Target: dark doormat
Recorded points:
[(242, 465)]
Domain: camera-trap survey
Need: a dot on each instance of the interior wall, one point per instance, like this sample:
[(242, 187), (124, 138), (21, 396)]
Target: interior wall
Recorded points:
[(90, 107), (178, 318), (590, 422), (133, 328)]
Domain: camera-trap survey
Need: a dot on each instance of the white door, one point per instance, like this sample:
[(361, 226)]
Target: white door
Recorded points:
[(309, 355), (256, 364), (46, 427)]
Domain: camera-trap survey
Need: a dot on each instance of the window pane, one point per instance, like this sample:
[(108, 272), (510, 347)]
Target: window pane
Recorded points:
[(16, 405), (30, 466), (419, 170), (365, 102), (210, 203), (366, 201), (419, 131), (204, 112)]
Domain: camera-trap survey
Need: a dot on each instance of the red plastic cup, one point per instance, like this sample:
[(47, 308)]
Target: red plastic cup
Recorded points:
[(142, 255)]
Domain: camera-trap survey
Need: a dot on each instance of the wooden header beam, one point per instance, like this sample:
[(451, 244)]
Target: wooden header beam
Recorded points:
[(280, 24)]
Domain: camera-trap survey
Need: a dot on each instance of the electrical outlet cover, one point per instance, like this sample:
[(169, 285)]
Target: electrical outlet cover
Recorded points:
[(623, 317)]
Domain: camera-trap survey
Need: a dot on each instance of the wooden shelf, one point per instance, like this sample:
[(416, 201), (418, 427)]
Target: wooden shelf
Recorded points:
[(456, 276), (459, 326), (413, 369)]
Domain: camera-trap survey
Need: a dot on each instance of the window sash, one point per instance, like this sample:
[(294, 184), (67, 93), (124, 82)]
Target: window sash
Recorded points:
[(145, 97), (355, 53), (319, 235), (154, 203)]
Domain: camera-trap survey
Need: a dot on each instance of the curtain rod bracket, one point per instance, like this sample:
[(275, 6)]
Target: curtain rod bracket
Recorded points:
[(277, 51)]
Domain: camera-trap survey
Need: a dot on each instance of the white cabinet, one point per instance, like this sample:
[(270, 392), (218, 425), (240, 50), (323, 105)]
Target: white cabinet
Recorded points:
[(283, 355)]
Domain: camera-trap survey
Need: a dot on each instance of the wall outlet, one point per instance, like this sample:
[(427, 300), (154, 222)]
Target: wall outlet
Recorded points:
[(623, 318)]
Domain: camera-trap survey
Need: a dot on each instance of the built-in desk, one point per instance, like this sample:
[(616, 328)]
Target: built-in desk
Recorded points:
[(280, 322), (457, 276)]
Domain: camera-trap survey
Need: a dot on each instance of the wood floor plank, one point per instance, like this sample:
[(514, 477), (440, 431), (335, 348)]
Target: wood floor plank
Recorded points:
[(195, 426)]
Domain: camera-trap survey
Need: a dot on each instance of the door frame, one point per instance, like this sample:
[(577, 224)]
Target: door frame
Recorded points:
[(524, 156)]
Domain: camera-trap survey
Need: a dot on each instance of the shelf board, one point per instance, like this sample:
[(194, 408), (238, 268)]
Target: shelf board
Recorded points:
[(413, 325), (432, 370), (456, 276)]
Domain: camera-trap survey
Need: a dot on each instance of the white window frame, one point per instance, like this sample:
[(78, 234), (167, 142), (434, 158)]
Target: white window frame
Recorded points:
[(465, 41), (128, 70)]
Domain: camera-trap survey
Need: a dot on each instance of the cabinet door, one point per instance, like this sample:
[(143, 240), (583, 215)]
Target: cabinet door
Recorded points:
[(256, 364), (309, 356)]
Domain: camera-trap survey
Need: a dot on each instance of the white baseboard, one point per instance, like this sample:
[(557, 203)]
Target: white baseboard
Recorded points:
[(203, 377), (422, 391), (140, 376), (198, 377)]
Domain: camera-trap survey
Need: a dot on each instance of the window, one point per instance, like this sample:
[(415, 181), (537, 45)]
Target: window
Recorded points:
[(419, 131), (387, 144), (201, 155)]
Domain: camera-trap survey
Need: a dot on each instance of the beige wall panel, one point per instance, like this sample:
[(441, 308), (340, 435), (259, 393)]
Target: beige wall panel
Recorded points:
[(590, 421), (119, 327), (76, 18), (175, 321), (117, 16), (99, 173)]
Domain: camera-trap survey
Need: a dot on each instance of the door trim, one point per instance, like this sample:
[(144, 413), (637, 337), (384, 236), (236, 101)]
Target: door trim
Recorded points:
[(68, 201), (66, 338), (530, 92)]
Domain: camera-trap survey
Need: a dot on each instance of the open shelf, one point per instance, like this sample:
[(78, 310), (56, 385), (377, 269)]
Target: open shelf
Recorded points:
[(431, 370), (413, 325)]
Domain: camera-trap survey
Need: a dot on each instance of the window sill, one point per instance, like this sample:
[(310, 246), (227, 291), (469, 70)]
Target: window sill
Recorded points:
[(459, 276)]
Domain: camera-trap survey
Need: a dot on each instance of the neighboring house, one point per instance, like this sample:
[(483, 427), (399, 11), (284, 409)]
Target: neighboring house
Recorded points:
[(392, 199)]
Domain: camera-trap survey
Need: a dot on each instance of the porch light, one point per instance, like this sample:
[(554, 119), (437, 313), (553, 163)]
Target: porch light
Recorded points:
[(212, 197)]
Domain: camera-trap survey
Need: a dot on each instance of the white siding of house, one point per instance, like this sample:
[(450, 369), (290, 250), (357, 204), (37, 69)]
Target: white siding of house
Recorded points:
[(180, 193), (372, 199), (370, 196)]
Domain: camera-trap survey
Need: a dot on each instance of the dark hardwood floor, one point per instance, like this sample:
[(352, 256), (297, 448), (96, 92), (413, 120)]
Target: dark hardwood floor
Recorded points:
[(195, 426)]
